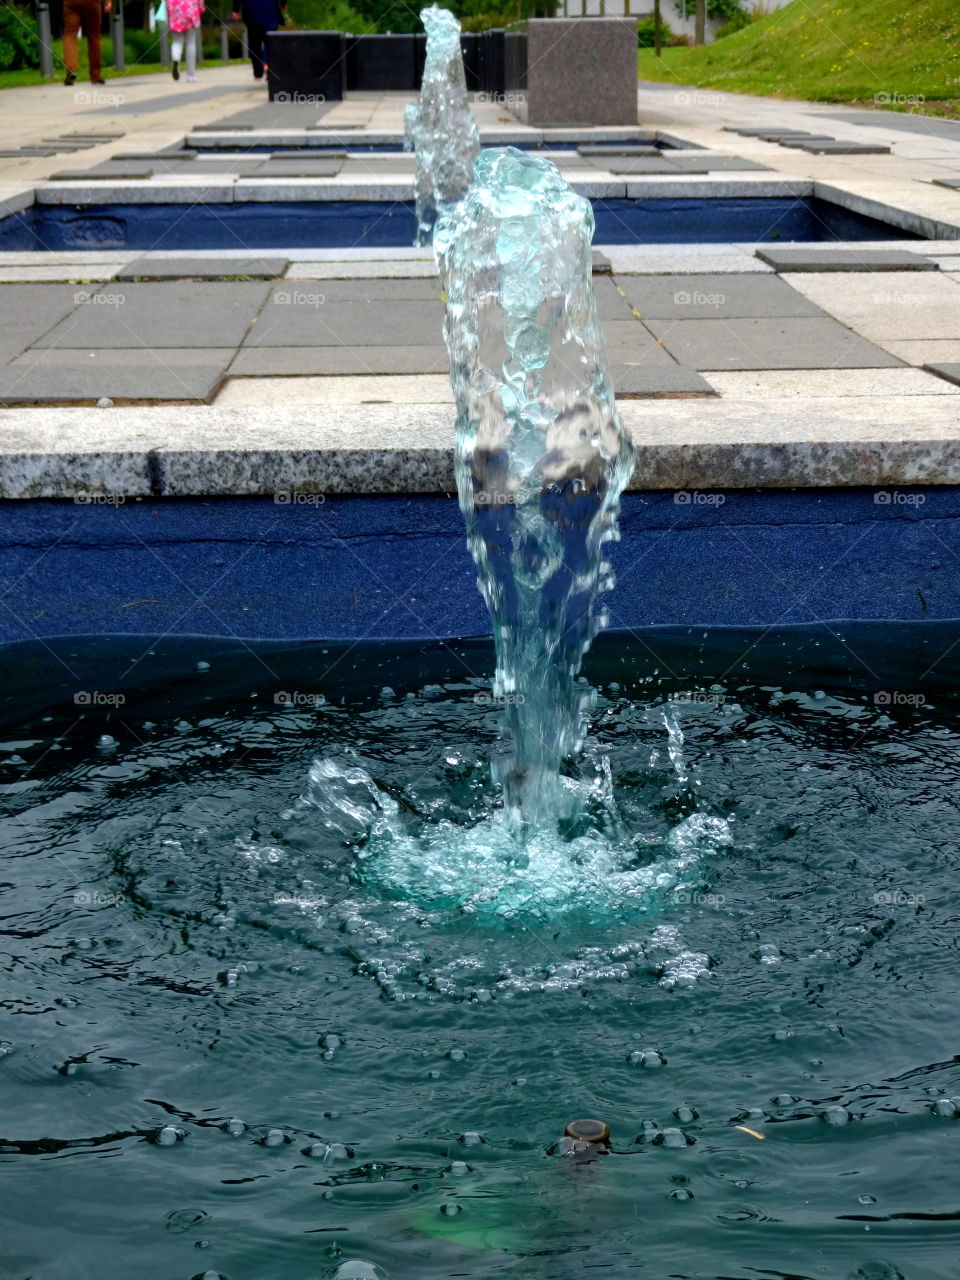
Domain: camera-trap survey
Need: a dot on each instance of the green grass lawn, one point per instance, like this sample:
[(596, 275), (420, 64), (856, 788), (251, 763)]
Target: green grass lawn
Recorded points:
[(894, 53), (17, 79)]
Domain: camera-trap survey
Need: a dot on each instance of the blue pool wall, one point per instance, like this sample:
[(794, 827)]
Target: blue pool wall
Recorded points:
[(376, 568), (340, 224)]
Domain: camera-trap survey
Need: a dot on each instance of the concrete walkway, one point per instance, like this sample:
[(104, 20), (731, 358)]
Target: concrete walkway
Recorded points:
[(734, 363)]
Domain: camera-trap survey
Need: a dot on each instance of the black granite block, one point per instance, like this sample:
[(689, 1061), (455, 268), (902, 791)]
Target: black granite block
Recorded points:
[(306, 66), (382, 62)]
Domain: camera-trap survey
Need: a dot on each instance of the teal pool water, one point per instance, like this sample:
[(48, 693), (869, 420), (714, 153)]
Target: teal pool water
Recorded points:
[(194, 932)]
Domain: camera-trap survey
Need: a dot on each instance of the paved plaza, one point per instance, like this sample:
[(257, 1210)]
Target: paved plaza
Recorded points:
[(814, 344)]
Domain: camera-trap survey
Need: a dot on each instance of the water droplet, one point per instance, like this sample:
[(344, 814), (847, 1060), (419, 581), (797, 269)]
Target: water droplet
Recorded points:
[(331, 1042), (651, 1058), (234, 1127), (459, 1168), (180, 1220), (836, 1116), (274, 1138), (686, 1114), (456, 1055), (105, 743), (168, 1135), (681, 1193), (673, 1138), (866, 1199), (203, 666), (945, 1107), (450, 1209), (472, 1139)]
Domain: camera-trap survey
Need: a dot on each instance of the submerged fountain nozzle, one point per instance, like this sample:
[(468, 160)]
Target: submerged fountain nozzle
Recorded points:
[(592, 1131)]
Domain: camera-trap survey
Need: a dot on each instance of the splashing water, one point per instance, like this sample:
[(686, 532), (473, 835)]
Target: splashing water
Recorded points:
[(541, 456), (441, 130), (541, 461)]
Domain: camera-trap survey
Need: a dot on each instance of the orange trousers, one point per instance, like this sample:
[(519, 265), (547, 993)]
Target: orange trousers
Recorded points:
[(89, 15)]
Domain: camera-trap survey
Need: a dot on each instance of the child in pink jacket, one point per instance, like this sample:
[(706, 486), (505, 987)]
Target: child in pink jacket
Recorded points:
[(183, 17)]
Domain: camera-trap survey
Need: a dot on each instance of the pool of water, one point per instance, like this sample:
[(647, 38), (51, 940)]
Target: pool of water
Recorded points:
[(195, 932), (377, 224)]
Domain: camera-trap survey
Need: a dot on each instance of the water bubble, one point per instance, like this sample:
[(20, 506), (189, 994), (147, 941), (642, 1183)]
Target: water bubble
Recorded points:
[(203, 666), (782, 1033), (234, 1127), (836, 1116), (456, 1055), (651, 1058), (686, 1114), (945, 1107), (168, 1135), (472, 1139), (681, 1193), (673, 1138), (330, 1042), (866, 1199), (784, 1100), (105, 743), (768, 953), (459, 1168), (450, 1210), (274, 1138), (210, 1275), (180, 1220)]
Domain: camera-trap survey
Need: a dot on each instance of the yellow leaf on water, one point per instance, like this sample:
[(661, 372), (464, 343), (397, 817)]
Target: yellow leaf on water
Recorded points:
[(762, 1137)]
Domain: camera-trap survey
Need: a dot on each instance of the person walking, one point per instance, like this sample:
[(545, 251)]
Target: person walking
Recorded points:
[(259, 17), (89, 15), (184, 17)]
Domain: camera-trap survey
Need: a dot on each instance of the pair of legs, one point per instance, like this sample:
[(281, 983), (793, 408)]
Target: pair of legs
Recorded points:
[(86, 14), (257, 45), (185, 42)]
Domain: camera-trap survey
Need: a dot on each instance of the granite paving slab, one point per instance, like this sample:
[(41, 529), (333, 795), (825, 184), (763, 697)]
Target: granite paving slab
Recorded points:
[(298, 316), (921, 352), (952, 183), (618, 149), (28, 311), (602, 266), (148, 380), (320, 168), (319, 360), (361, 270), (845, 260), (951, 372), (782, 343), (760, 131), (715, 297), (424, 388), (839, 148), (611, 302), (73, 273), (103, 172), (174, 313), (385, 292), (631, 382), (630, 343), (644, 165), (894, 304), (203, 269), (829, 384)]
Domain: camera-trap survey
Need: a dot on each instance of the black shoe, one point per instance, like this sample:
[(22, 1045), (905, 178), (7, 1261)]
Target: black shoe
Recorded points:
[(176, 70), (98, 82), (71, 78)]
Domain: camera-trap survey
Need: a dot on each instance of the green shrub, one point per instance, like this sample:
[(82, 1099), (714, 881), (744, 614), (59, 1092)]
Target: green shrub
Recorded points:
[(326, 15), (646, 33), (19, 46), (737, 23), (140, 46), (724, 9)]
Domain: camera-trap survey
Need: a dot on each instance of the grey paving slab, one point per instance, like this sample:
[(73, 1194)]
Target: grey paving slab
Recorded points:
[(784, 343), (845, 260), (840, 148), (611, 302), (131, 171), (715, 297), (952, 183), (160, 157), (320, 168), (646, 165), (28, 311), (760, 131), (931, 126), (602, 266), (333, 360), (631, 344), (949, 371), (147, 380), (203, 269), (632, 382), (299, 315), (172, 314), (385, 291), (618, 149)]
